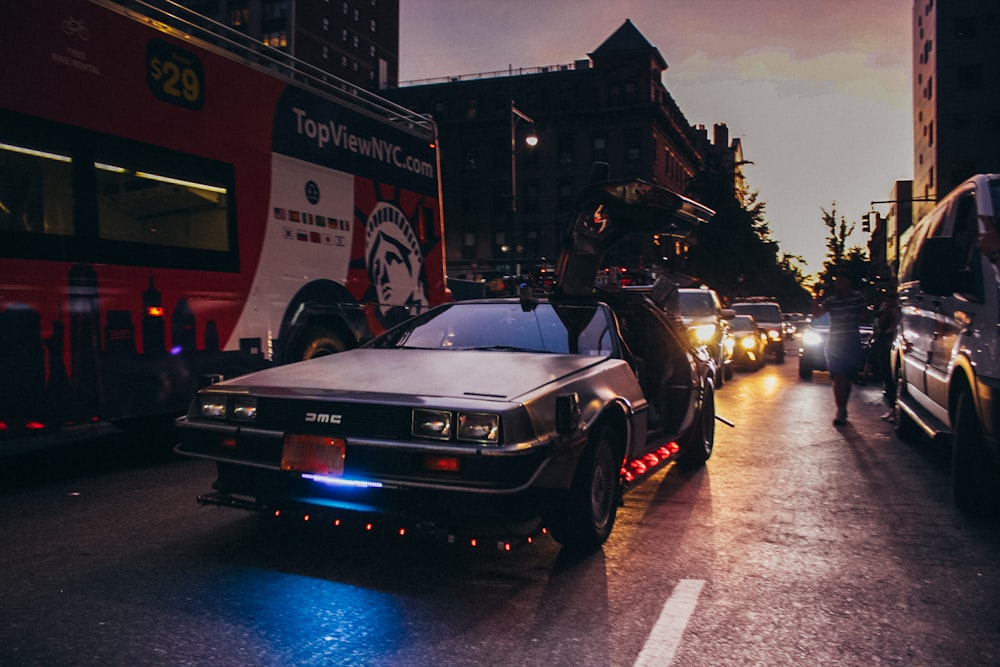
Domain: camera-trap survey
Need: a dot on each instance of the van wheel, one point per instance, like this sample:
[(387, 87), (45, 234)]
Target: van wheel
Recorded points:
[(973, 474), (583, 521)]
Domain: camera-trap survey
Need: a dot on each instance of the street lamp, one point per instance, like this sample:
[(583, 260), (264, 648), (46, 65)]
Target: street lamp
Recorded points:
[(531, 140)]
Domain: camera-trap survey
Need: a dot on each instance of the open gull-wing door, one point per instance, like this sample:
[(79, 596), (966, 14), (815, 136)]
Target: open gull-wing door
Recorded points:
[(606, 212)]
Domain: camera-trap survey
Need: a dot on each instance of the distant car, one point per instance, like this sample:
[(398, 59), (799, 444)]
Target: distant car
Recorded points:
[(707, 321), (749, 342), (484, 413), (768, 317), (812, 345)]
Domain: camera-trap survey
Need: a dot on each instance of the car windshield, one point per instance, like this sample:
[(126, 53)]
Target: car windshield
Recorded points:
[(696, 304), (761, 312), (741, 324), (556, 329)]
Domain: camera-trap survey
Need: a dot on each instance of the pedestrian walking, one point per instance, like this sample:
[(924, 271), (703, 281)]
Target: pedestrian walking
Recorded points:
[(844, 353), (883, 334)]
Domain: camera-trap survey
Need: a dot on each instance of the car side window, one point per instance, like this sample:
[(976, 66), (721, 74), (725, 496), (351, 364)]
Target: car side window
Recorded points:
[(965, 232)]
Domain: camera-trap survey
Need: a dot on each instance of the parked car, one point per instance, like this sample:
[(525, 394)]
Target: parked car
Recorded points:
[(768, 317), (480, 414), (812, 346), (708, 322), (749, 342), (945, 358)]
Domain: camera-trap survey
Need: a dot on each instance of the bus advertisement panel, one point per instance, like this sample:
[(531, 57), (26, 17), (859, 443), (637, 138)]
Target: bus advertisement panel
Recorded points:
[(176, 202)]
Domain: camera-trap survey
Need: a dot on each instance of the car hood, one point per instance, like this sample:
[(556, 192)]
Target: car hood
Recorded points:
[(368, 372)]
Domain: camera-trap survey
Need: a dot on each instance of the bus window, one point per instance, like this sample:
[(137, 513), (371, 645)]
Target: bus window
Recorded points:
[(36, 192), (146, 207)]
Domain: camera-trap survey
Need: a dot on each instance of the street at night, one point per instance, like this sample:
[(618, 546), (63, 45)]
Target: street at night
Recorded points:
[(799, 543)]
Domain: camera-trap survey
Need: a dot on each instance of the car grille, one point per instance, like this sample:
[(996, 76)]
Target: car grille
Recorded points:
[(356, 419)]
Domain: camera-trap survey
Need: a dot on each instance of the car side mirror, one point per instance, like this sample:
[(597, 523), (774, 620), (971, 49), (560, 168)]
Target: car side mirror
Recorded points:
[(728, 313)]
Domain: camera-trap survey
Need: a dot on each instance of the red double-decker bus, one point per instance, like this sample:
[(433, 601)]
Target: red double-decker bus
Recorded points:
[(177, 200)]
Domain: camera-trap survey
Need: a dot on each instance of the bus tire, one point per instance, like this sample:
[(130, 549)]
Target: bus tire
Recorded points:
[(318, 341)]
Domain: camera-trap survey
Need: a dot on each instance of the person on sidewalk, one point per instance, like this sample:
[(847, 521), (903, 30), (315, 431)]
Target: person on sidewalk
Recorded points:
[(844, 353)]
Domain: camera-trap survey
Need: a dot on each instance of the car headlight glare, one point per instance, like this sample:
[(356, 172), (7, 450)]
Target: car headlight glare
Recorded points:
[(479, 427), (703, 333), (774, 334), (212, 406), (811, 339), (432, 424), (244, 408), (748, 343)]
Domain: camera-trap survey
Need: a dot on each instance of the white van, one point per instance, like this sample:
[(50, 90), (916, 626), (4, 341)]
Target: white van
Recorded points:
[(946, 357)]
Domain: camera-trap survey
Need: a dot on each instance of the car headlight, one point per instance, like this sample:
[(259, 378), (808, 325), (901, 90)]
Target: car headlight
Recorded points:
[(811, 339), (432, 424), (227, 407), (748, 342), (243, 408), (703, 333), (774, 334), (479, 427), (212, 406)]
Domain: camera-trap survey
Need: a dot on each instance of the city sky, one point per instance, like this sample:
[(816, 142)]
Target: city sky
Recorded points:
[(819, 93)]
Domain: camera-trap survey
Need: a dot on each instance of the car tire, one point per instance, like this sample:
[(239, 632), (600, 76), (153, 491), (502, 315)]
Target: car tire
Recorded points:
[(699, 444), (779, 357), (728, 372), (583, 522), (973, 473), (318, 341), (805, 373)]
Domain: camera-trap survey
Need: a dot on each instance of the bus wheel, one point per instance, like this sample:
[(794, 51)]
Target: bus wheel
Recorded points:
[(319, 341)]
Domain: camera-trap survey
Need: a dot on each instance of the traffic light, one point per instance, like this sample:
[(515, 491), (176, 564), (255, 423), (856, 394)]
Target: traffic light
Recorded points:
[(866, 223)]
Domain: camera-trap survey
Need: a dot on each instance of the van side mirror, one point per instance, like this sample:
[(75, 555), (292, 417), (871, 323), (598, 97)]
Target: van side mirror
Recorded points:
[(938, 273)]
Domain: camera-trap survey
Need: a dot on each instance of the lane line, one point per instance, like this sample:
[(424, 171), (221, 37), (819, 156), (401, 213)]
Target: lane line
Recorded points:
[(665, 637)]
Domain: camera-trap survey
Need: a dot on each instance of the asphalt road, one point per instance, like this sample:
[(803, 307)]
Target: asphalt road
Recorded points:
[(799, 544)]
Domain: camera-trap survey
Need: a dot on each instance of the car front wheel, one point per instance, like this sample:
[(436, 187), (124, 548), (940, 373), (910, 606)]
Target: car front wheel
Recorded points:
[(699, 445), (584, 520)]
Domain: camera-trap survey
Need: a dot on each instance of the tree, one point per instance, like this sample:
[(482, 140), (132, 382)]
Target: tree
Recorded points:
[(735, 253), (839, 255)]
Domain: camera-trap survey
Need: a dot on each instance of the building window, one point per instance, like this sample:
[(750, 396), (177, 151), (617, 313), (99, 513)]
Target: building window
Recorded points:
[(346, 8), (343, 34), (373, 26), (469, 245), (357, 15), (326, 53), (565, 149), (565, 192), (600, 149), (471, 108), (567, 98), (326, 24), (354, 41), (633, 145)]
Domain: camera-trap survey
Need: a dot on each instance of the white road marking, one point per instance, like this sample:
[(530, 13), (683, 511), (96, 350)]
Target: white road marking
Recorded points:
[(666, 635)]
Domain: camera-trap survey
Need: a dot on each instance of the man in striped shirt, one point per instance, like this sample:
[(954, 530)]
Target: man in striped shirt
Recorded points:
[(844, 352)]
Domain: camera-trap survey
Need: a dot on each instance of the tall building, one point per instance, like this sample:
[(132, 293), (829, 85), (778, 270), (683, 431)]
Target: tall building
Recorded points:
[(956, 95), (355, 40), (506, 202)]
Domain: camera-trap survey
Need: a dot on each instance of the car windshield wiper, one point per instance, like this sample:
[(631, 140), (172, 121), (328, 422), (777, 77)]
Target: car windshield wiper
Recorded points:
[(502, 348)]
